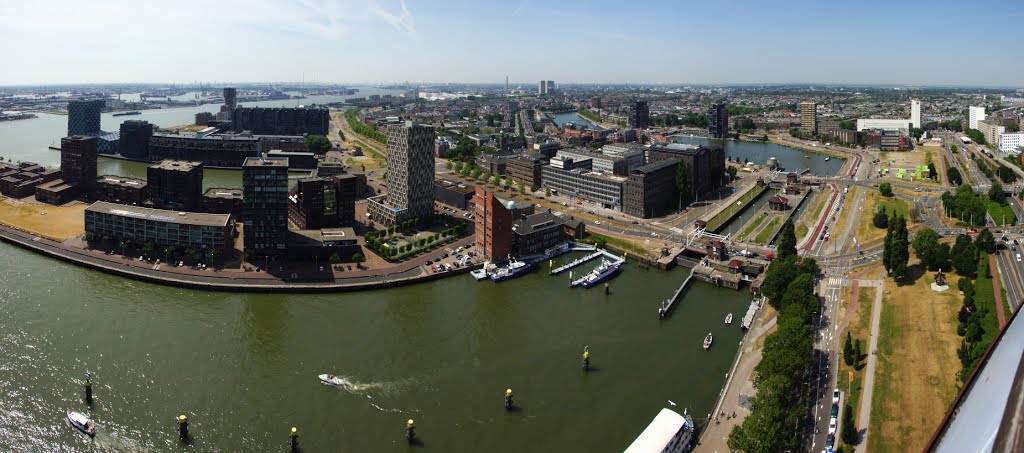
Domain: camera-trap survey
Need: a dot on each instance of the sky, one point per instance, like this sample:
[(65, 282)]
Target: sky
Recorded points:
[(909, 42)]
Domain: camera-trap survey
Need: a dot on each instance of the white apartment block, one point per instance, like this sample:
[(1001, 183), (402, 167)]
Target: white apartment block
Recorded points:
[(975, 114)]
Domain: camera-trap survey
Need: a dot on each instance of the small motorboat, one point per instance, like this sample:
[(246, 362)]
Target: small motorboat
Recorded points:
[(828, 157), (81, 422), (728, 318), (331, 379), (707, 341)]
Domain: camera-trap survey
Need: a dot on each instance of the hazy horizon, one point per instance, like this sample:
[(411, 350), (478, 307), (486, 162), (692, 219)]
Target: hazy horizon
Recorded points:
[(739, 42)]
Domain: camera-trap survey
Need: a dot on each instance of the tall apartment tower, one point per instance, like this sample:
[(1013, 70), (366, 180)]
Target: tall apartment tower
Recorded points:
[(542, 87), (718, 121), (410, 175), (135, 136), (808, 117), (78, 161), (975, 114), (549, 87), (641, 115), (915, 113), (84, 117), (231, 97), (265, 198), (175, 184)]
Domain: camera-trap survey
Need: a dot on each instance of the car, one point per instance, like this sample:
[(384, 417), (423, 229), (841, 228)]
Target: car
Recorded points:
[(611, 218), (427, 263), (590, 212), (597, 222), (1018, 257), (1015, 242), (835, 410), (830, 442), (444, 255), (635, 222), (835, 396), (832, 426)]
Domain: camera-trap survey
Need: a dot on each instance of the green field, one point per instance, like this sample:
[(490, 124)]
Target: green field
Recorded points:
[(733, 208), (751, 226), (997, 212), (769, 230)]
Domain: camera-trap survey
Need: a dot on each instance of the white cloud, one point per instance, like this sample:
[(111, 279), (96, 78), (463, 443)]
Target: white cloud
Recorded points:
[(403, 21)]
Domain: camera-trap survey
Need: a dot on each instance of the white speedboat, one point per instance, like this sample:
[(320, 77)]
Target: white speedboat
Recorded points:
[(707, 341), (728, 318), (331, 379), (81, 422)]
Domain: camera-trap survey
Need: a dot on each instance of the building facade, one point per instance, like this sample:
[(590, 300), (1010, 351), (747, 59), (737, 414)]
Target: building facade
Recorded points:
[(583, 185), (601, 162), (1011, 143), (410, 176), (808, 117), (224, 201), (651, 189), (135, 136), (992, 131), (211, 150), (526, 168), (534, 234), (84, 117), (975, 114), (641, 115), (314, 204), (705, 166), (493, 232), (121, 190), (280, 121), (118, 222), (456, 195), (20, 180), (265, 197), (718, 121), (175, 184)]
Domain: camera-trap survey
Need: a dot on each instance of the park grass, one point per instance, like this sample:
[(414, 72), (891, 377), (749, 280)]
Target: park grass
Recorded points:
[(997, 212), (751, 226), (766, 234), (735, 207), (801, 230), (56, 223), (915, 381), (619, 243), (859, 329), (984, 296), (866, 231)]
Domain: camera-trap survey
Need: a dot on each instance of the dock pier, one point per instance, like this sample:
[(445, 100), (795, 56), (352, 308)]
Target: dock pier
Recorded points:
[(666, 306), (579, 261)]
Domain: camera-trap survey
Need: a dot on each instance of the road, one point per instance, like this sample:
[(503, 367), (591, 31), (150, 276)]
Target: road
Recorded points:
[(1011, 273), (826, 357)]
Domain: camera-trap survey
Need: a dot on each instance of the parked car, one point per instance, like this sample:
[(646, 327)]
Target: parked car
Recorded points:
[(835, 396), (830, 442), (832, 426), (835, 410)]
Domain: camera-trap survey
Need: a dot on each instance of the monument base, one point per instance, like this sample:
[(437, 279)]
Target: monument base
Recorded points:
[(939, 288)]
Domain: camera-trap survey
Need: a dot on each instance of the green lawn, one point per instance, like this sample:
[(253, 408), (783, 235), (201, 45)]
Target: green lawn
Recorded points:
[(751, 226), (997, 212), (801, 231), (719, 219), (766, 234), (618, 243)]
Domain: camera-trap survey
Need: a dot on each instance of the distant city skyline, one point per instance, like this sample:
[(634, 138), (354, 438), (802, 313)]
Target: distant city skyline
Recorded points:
[(392, 41)]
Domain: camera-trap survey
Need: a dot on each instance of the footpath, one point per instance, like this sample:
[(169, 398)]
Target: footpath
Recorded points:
[(234, 280)]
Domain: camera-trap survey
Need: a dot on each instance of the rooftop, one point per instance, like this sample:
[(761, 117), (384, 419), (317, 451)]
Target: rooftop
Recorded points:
[(160, 215), (223, 193), (265, 162), (121, 181), (176, 165), (649, 168)]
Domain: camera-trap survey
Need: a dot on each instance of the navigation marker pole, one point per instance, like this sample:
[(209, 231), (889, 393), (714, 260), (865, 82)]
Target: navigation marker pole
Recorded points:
[(88, 387), (294, 438), (183, 427), (410, 431)]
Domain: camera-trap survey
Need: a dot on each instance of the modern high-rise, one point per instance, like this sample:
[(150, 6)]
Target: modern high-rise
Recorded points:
[(265, 196), (231, 97), (808, 117), (78, 161), (135, 136), (915, 113), (704, 166), (718, 121), (542, 87), (410, 175), (84, 117), (175, 184), (641, 115), (975, 114)]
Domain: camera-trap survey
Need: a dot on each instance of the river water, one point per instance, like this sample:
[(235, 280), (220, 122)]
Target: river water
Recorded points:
[(791, 159), (573, 117), (244, 367)]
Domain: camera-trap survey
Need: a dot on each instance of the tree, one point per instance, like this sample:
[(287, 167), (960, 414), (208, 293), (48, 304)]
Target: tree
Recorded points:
[(547, 191), (885, 189), (932, 172), (522, 187), (997, 194), (896, 251), (857, 353), (684, 183), (334, 259), (732, 172), (926, 246), (954, 177), (848, 350), (317, 144), (849, 430), (787, 240), (964, 256), (448, 165), (985, 241), (880, 219)]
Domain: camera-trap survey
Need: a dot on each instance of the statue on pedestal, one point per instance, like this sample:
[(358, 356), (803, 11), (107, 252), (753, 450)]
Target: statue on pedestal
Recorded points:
[(940, 278)]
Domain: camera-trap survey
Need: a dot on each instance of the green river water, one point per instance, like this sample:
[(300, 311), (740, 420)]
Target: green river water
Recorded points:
[(244, 367)]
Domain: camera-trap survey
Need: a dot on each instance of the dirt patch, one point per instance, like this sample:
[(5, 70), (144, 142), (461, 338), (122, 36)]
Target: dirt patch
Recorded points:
[(52, 222), (866, 231), (915, 380)]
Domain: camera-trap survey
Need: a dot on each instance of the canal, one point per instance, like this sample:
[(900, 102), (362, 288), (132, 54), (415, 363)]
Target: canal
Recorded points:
[(244, 366), (791, 159), (572, 117)]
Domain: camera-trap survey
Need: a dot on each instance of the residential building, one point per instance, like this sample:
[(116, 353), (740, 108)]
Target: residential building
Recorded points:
[(321, 202), (493, 163), (705, 166), (265, 196), (651, 190), (297, 160), (20, 180), (808, 117), (595, 103), (135, 136), (641, 115), (84, 117), (456, 195), (493, 232), (224, 201), (212, 150), (890, 124), (827, 124), (280, 120), (975, 114), (526, 168), (175, 184), (718, 121), (200, 231), (120, 189), (204, 118), (231, 97), (992, 131), (410, 176), (599, 162), (1011, 143), (78, 161), (579, 183)]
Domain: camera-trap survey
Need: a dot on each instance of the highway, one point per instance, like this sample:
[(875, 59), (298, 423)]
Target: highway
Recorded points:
[(1011, 273)]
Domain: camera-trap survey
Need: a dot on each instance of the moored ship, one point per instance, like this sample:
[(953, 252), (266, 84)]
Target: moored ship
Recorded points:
[(512, 270), (602, 272)]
